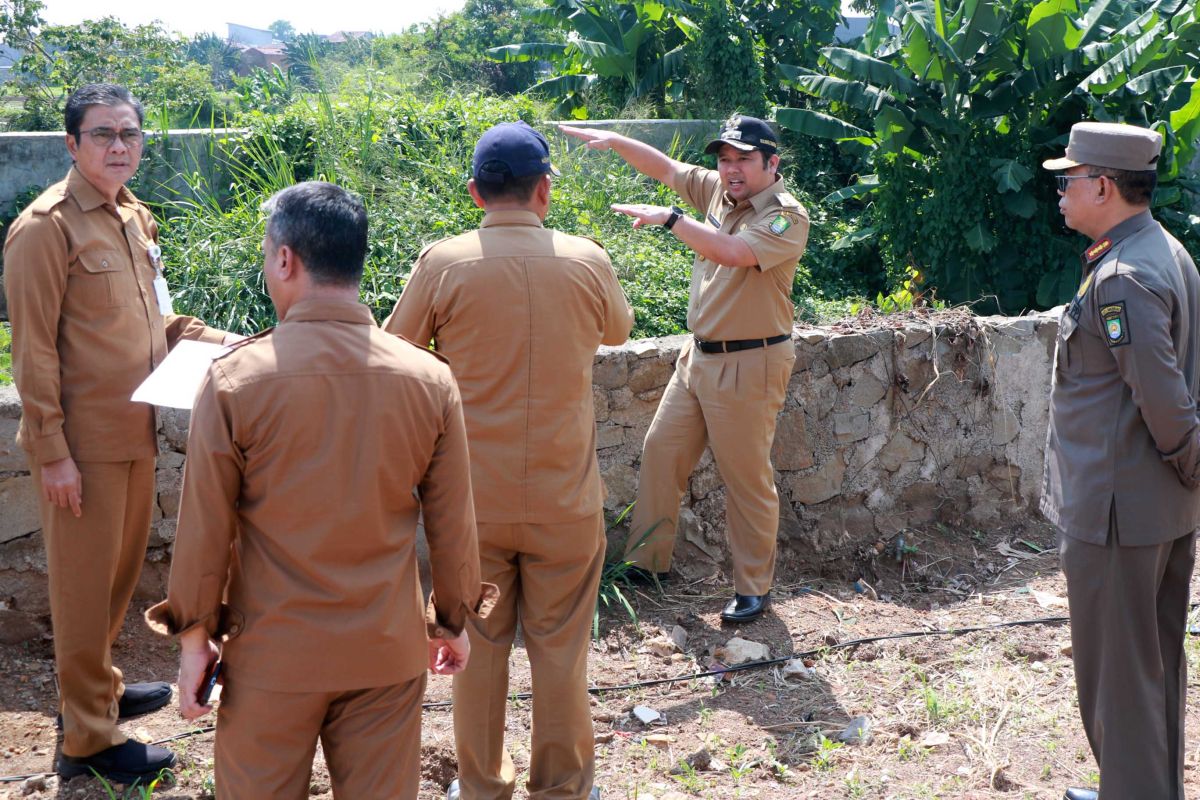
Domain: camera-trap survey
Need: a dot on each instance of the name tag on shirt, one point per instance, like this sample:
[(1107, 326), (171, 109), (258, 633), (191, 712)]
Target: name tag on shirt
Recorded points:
[(716, 223), (163, 296)]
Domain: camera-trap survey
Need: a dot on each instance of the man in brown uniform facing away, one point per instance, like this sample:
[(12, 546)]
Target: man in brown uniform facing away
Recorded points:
[(91, 318), (520, 310), (1121, 461), (313, 448), (731, 379)]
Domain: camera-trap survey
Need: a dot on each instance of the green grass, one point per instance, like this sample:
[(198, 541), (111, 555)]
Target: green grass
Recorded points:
[(5, 354)]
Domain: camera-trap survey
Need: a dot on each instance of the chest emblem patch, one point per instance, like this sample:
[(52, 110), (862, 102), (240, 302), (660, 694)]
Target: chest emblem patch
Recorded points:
[(780, 224), (1115, 324)]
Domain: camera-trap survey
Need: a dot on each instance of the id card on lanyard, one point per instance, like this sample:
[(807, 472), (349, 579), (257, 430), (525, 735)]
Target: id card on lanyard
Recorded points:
[(160, 281)]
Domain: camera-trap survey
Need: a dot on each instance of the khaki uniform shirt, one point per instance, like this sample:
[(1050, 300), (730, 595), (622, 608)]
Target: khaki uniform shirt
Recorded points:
[(308, 449), (519, 311), (744, 302), (87, 328), (1123, 426)]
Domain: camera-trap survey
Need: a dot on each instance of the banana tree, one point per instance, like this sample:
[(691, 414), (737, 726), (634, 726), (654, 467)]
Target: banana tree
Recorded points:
[(638, 46), (954, 103)]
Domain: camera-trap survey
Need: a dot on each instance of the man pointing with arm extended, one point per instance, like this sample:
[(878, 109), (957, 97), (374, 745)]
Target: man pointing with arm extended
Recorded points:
[(731, 378)]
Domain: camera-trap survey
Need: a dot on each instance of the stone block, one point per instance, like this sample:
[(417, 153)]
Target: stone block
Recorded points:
[(610, 370), (609, 436), (20, 503), (169, 459), (620, 398), (649, 374), (645, 348), (851, 427), (621, 482), (811, 335), (1005, 426), (851, 348), (17, 627), (173, 423), (866, 390), (599, 403), (12, 457), (791, 449), (705, 481), (900, 450), (820, 485), (167, 485)]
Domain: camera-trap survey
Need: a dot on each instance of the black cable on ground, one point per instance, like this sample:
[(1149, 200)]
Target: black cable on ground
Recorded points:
[(597, 690)]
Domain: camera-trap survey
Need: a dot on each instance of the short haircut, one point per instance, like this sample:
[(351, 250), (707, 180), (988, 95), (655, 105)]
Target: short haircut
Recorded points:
[(97, 94), (1136, 187), (515, 189), (325, 225)]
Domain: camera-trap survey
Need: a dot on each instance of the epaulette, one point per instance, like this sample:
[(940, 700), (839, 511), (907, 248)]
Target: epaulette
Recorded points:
[(47, 200), (786, 200), (243, 342), (432, 245), (424, 349), (595, 241)]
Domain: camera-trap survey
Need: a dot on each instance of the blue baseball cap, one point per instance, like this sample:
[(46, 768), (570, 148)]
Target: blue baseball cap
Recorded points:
[(511, 150)]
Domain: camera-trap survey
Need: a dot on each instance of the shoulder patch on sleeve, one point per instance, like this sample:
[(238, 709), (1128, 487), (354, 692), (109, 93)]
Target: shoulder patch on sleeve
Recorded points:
[(1115, 323), (47, 200), (243, 342)]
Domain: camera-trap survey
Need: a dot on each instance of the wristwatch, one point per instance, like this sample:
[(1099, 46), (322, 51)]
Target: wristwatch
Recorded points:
[(676, 213)]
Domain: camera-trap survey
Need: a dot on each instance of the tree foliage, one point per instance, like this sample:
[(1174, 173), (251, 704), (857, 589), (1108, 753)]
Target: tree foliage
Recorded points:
[(725, 70), (953, 105)]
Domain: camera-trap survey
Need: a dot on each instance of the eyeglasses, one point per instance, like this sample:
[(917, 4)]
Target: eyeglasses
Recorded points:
[(130, 137), (1063, 179)]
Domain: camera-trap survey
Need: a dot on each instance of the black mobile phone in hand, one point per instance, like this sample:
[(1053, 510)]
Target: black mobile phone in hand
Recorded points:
[(209, 682)]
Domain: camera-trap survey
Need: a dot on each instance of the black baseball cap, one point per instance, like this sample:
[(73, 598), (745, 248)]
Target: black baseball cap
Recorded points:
[(511, 150), (745, 133)]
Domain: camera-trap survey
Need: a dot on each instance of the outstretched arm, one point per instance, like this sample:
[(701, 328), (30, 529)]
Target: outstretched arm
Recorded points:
[(639, 155)]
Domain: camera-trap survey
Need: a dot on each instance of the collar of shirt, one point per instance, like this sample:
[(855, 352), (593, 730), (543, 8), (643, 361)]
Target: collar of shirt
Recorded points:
[(510, 217), (1121, 230), (88, 196), (325, 309), (760, 201)]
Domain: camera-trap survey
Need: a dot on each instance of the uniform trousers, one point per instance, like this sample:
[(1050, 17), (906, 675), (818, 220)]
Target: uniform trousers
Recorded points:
[(1129, 608), (730, 402), (94, 562), (371, 739), (548, 576)]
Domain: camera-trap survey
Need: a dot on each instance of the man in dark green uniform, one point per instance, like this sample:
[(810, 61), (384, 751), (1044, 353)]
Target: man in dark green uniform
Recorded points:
[(1121, 462)]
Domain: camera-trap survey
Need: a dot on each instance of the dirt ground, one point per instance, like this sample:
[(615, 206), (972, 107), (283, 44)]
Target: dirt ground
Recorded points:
[(989, 714)]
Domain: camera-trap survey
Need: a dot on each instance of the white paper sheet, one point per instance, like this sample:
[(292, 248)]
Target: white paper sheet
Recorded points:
[(175, 381)]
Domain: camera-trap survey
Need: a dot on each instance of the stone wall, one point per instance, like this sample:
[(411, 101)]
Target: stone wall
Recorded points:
[(901, 426)]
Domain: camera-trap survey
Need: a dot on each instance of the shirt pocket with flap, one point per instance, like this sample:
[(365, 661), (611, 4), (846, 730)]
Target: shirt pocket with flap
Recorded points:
[(96, 278), (1068, 353)]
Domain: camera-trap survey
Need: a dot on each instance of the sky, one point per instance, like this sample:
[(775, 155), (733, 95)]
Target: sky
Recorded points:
[(191, 16)]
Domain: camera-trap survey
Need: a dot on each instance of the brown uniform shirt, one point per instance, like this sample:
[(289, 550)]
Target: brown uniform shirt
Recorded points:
[(86, 324), (520, 310), (309, 446), (1123, 431), (739, 302)]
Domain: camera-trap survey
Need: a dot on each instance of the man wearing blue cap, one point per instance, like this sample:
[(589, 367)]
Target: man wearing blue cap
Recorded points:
[(1122, 461), (731, 378), (520, 310)]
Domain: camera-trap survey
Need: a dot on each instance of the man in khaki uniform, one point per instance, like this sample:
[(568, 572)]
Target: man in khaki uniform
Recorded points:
[(91, 318), (520, 310), (313, 449), (731, 378), (1121, 461)]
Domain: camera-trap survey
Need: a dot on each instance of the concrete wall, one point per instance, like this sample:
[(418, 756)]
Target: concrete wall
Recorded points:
[(900, 426)]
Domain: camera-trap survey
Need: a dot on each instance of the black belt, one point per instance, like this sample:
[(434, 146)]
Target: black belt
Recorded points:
[(734, 345)]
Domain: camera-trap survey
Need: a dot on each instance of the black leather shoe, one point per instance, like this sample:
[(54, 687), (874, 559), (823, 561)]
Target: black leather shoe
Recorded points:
[(123, 763), (1081, 794), (142, 698), (745, 607), (640, 576), (139, 698)]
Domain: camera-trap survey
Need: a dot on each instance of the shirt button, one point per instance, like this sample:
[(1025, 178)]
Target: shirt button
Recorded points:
[(439, 633), (104, 263)]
